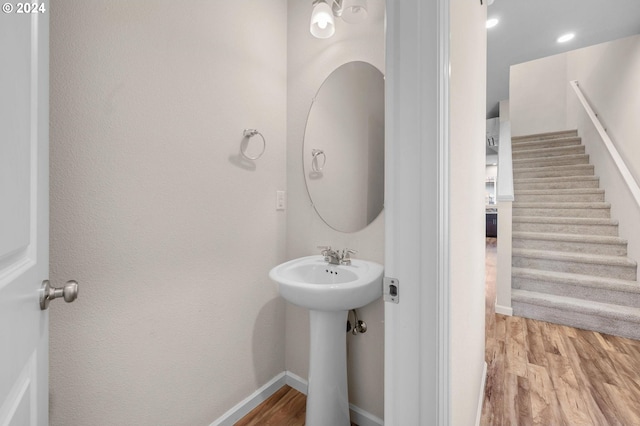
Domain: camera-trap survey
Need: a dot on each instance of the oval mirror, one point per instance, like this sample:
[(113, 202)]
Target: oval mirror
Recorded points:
[(343, 149)]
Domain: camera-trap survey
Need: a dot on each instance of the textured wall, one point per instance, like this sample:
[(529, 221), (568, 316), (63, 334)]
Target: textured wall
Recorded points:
[(467, 155), (310, 61), (170, 236)]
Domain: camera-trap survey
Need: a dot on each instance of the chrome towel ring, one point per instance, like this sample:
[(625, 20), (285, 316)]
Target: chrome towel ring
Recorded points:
[(248, 134), (315, 162)]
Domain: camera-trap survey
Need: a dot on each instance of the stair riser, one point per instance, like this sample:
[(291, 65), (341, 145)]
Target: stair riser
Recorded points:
[(556, 135), (578, 319), (551, 143), (596, 270), (581, 171), (572, 161), (595, 294), (571, 246), (590, 213), (585, 184), (559, 198), (606, 230), (547, 153)]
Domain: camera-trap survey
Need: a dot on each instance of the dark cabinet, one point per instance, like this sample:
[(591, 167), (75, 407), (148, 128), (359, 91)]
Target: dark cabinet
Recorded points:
[(492, 224)]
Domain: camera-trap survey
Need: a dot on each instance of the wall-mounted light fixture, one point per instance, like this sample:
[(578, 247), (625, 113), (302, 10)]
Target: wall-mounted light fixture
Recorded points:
[(322, 16), (322, 24)]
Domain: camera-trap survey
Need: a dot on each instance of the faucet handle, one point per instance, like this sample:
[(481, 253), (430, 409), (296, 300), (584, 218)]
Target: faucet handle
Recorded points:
[(346, 256), (324, 249)]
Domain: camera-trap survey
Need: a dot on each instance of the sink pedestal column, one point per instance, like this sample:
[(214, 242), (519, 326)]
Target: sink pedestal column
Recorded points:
[(327, 396)]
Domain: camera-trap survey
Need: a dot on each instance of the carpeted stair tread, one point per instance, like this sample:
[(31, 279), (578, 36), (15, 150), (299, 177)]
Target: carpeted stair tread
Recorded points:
[(561, 205), (565, 225), (613, 284), (594, 259), (546, 143), (580, 286), (543, 136), (560, 160), (591, 195), (554, 171), (561, 191), (595, 239), (557, 240), (569, 182), (566, 220), (548, 152), (621, 313), (556, 179), (569, 168)]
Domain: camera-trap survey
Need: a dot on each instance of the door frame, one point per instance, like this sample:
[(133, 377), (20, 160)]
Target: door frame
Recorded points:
[(417, 330)]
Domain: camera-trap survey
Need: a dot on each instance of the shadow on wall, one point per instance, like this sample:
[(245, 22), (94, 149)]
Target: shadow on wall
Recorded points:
[(270, 317)]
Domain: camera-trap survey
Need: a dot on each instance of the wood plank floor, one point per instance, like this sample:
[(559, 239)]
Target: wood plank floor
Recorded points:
[(547, 374), (286, 407)]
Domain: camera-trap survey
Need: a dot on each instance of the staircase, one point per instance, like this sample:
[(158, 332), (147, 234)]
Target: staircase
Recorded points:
[(569, 264)]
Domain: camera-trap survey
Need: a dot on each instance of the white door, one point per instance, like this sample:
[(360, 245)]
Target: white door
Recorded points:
[(24, 214)]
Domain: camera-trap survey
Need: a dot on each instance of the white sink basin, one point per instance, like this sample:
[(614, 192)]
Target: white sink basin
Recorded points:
[(312, 283)]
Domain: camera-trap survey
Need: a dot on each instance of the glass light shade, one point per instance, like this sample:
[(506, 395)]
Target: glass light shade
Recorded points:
[(354, 11), (322, 24)]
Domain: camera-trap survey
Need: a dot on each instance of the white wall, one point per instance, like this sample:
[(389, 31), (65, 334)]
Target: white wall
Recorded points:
[(467, 208), (310, 61), (537, 95), (170, 238)]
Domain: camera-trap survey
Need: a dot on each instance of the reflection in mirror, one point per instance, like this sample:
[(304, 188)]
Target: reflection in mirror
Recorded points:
[(343, 150)]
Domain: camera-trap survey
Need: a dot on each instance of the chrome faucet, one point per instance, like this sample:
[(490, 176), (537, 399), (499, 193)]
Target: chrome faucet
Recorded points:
[(334, 257), (330, 256)]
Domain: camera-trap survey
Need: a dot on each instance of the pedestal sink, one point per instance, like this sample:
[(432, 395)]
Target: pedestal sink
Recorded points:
[(329, 292)]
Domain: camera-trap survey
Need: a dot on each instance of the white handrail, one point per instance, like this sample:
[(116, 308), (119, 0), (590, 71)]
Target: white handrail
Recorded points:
[(613, 152)]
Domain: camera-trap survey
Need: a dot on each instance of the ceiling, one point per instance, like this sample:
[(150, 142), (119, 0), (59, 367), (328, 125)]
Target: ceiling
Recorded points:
[(528, 30)]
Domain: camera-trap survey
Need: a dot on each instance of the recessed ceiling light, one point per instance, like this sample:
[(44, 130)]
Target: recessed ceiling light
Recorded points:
[(566, 37), (492, 22)]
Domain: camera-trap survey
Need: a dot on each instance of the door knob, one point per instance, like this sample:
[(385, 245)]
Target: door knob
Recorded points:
[(47, 293)]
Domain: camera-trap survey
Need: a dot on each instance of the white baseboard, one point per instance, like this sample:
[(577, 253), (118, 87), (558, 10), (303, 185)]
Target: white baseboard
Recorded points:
[(504, 310), (363, 418), (243, 408), (481, 396), (358, 415), (296, 382)]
